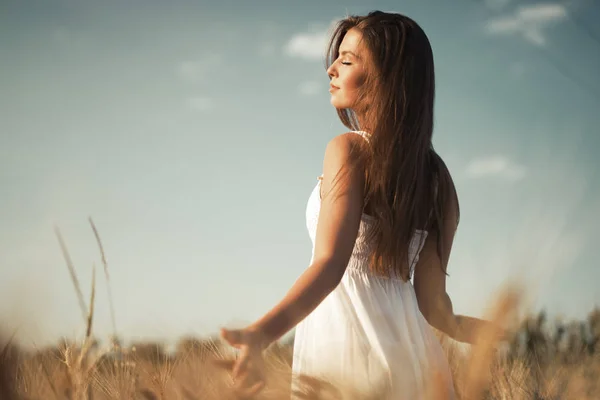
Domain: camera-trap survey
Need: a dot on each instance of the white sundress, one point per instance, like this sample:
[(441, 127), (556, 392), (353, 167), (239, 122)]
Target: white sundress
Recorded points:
[(368, 334)]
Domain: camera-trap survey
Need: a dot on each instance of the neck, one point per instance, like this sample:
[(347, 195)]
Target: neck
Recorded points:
[(362, 122)]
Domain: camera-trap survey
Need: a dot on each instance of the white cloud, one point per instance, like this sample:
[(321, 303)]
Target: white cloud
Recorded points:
[(311, 45), (199, 70), (542, 13), (535, 36), (528, 22), (310, 88), (499, 166), (200, 103), (308, 45)]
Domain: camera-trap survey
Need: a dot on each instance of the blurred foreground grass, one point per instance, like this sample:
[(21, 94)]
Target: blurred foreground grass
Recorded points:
[(544, 361)]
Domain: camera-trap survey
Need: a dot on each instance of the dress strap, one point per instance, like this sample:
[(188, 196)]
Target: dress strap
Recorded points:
[(364, 134)]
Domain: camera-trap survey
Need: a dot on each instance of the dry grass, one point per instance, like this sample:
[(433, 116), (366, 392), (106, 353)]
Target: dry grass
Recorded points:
[(563, 365), (149, 373)]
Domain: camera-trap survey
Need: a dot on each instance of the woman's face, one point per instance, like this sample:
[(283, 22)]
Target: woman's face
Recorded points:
[(349, 71)]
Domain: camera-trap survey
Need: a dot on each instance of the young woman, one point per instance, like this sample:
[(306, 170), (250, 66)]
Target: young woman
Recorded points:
[(384, 210)]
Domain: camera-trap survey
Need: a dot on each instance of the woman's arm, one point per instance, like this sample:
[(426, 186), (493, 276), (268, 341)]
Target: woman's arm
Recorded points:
[(430, 286), (337, 228), (459, 327), (305, 295)]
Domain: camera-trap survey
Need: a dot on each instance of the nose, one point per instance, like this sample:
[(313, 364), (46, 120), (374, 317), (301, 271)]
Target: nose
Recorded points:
[(331, 71)]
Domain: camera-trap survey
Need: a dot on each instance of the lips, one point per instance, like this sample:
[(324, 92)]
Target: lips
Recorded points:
[(333, 87)]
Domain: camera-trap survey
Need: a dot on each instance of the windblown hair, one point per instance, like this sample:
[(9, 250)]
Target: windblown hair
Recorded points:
[(407, 185)]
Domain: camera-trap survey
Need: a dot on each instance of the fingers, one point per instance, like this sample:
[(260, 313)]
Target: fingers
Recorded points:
[(246, 370), (248, 383), (241, 381), (233, 337), (241, 364), (237, 367)]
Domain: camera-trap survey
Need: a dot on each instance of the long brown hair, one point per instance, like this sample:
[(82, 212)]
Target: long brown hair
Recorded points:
[(407, 184)]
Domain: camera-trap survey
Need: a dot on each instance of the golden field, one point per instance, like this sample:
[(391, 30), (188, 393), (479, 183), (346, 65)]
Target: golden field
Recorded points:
[(562, 365), (545, 359)]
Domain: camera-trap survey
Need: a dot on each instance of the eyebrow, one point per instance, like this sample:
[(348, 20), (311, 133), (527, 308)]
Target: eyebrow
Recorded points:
[(348, 52)]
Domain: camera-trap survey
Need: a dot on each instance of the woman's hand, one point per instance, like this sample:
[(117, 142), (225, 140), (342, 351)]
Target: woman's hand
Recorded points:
[(248, 370)]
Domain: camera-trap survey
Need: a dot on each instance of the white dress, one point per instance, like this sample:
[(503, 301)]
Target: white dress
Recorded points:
[(368, 334)]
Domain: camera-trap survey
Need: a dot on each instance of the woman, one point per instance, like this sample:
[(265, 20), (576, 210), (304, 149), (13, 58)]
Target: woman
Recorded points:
[(384, 210)]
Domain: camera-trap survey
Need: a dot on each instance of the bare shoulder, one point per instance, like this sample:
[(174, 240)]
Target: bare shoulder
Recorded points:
[(340, 146), (343, 141), (341, 205), (338, 153)]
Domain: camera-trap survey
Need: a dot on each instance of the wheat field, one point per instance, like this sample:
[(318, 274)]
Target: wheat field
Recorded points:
[(543, 360), (541, 367)]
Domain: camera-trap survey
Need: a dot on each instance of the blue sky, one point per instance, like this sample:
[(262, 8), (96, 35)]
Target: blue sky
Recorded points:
[(193, 133)]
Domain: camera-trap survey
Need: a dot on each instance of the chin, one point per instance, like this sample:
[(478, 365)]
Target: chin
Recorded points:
[(338, 104)]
